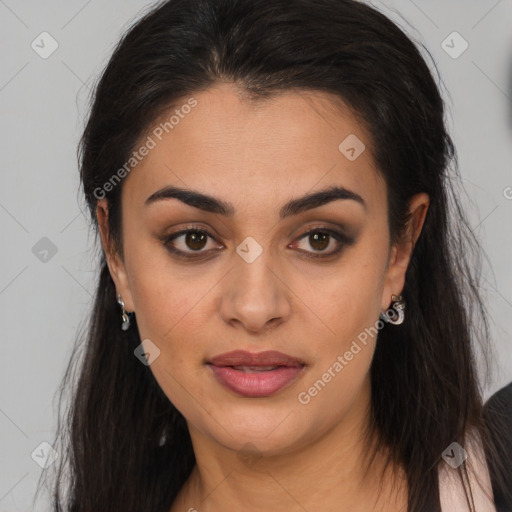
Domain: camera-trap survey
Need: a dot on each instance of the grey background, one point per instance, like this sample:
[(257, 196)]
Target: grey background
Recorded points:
[(44, 297)]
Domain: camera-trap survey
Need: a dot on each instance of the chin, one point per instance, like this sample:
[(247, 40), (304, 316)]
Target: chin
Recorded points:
[(266, 432)]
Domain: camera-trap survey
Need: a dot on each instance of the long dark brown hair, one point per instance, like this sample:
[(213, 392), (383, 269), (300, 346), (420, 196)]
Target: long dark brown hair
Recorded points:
[(123, 445)]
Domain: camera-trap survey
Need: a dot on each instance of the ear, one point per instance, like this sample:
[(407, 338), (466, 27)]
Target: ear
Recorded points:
[(401, 252), (114, 261)]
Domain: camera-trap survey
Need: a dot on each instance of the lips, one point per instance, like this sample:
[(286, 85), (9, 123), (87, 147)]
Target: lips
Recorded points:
[(270, 358), (255, 375)]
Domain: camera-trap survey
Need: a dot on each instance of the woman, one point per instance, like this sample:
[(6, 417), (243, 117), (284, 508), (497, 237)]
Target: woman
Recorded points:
[(283, 317)]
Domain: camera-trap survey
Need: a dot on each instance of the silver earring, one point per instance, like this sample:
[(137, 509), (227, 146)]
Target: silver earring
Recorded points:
[(399, 306), (124, 315)]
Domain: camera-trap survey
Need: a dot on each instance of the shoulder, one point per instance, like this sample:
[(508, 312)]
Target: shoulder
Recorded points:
[(501, 402), (497, 415), (464, 477), (488, 473), (498, 421)]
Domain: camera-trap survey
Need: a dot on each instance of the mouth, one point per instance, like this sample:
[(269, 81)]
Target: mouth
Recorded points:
[(268, 358), (256, 375), (256, 369)]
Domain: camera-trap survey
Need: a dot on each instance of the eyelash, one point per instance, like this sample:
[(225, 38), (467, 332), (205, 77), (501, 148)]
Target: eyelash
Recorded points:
[(341, 238)]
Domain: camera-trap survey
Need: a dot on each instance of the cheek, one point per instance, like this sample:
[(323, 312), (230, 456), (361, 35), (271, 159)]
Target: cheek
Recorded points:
[(166, 298), (339, 380), (348, 303), (170, 312), (348, 300)]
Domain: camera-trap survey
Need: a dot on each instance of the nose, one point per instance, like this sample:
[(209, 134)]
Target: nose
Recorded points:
[(255, 296)]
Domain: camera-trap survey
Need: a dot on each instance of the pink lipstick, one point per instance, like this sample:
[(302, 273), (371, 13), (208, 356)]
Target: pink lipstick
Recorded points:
[(255, 375)]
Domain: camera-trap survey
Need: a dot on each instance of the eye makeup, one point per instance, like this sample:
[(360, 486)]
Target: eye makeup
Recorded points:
[(189, 244)]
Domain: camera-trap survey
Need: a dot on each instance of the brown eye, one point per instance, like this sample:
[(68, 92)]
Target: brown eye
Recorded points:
[(319, 241), (195, 240), (189, 243)]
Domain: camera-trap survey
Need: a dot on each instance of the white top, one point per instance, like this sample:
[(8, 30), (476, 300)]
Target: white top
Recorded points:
[(453, 481)]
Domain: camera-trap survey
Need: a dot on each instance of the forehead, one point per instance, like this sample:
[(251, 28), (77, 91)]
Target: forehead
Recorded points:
[(292, 142)]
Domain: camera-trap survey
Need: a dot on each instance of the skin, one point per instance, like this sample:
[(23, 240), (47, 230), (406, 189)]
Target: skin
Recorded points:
[(258, 157)]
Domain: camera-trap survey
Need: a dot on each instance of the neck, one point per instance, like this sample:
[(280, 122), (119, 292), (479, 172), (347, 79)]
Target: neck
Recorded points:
[(326, 473)]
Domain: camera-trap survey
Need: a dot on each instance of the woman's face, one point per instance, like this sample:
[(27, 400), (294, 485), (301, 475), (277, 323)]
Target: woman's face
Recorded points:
[(250, 278)]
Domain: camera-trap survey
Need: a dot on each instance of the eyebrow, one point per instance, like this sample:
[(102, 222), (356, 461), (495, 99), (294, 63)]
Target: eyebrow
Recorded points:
[(295, 206)]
